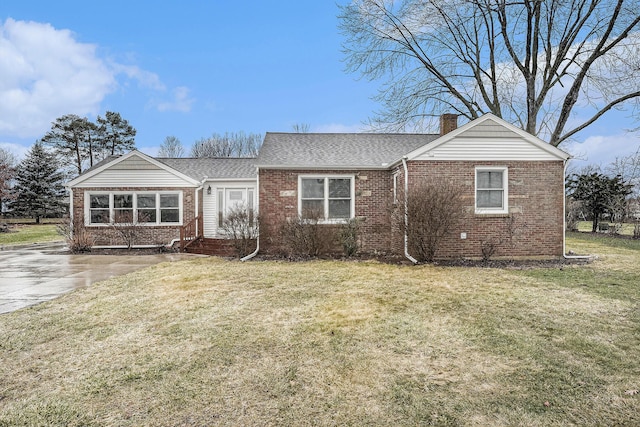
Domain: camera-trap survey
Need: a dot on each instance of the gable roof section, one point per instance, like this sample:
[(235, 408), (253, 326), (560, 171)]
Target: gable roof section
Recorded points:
[(132, 163), (337, 150), (488, 138), (227, 168)]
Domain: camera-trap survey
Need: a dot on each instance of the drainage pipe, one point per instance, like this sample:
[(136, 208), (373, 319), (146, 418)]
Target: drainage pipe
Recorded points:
[(406, 213), (254, 253)]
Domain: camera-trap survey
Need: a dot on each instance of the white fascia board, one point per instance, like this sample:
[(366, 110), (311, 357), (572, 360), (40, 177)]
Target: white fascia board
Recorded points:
[(561, 155), (326, 167), (81, 178), (230, 179)]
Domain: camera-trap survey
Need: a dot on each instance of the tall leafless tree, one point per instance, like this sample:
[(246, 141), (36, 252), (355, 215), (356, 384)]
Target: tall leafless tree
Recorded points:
[(7, 175), (531, 62), (235, 144), (171, 147)]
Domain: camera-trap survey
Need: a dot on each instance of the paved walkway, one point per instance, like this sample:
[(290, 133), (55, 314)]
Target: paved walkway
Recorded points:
[(38, 273)]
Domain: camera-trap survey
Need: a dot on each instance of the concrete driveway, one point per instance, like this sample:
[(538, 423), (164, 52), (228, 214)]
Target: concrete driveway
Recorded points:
[(31, 275)]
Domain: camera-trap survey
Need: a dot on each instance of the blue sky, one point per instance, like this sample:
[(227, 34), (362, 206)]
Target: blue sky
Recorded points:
[(194, 68)]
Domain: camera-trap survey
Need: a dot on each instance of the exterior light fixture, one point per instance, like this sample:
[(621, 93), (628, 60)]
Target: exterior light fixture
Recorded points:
[(209, 190)]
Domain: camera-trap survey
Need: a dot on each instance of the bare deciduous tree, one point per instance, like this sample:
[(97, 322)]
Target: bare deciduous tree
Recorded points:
[(7, 174), (530, 62), (171, 147), (237, 144), (628, 167), (301, 127)]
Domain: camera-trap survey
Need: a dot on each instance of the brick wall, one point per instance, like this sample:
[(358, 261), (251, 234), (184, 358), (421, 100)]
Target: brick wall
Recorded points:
[(146, 235), (279, 202), (534, 224)]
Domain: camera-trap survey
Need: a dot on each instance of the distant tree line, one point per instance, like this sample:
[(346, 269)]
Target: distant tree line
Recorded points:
[(612, 194), (229, 144)]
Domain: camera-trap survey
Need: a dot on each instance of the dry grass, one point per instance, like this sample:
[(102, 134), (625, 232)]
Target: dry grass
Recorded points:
[(21, 234), (212, 342)]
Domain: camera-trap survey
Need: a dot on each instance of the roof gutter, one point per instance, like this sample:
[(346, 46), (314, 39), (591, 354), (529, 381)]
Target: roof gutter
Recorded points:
[(406, 213)]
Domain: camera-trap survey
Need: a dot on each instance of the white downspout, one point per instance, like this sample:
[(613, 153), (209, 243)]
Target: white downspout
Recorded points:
[(254, 253), (564, 220), (406, 213), (71, 213)]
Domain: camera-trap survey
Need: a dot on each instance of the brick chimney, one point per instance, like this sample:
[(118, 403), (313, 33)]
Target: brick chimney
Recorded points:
[(448, 122)]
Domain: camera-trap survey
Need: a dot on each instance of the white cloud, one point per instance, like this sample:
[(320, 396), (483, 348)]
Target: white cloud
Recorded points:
[(145, 78), (16, 149), (180, 102), (601, 150), (45, 73)]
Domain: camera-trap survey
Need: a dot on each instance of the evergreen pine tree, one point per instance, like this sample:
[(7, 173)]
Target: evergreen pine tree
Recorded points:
[(38, 186), (115, 134)]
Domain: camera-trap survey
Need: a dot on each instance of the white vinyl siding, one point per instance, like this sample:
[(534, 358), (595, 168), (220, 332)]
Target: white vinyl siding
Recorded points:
[(487, 149), (135, 178), (122, 207), (491, 190)]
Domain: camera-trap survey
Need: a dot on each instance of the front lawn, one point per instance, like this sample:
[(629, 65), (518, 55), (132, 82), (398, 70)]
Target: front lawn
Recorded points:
[(213, 342), (20, 234)]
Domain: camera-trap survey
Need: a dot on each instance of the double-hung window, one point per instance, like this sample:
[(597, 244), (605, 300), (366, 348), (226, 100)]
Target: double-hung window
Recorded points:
[(492, 190), (327, 198), (123, 208), (169, 208), (99, 210), (152, 208)]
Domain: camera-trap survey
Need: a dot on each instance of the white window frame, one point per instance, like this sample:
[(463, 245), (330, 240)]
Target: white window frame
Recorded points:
[(111, 194), (327, 177), (505, 190)]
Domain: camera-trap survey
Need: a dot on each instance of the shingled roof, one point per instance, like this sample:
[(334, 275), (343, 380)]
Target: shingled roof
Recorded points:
[(337, 150), (213, 168)]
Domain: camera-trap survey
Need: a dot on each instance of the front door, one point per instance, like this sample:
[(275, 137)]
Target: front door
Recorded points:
[(235, 198), (230, 199)]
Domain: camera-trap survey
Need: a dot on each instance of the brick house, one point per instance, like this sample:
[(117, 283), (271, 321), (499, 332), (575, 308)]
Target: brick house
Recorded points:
[(512, 184)]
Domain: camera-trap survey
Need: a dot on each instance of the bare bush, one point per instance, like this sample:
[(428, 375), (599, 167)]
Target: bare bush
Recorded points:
[(573, 214), (306, 236), (489, 248), (76, 235), (434, 209), (241, 226), (349, 235), (128, 228)]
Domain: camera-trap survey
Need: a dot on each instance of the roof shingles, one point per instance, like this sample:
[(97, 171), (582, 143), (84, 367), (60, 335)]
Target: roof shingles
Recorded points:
[(337, 150), (213, 168)]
